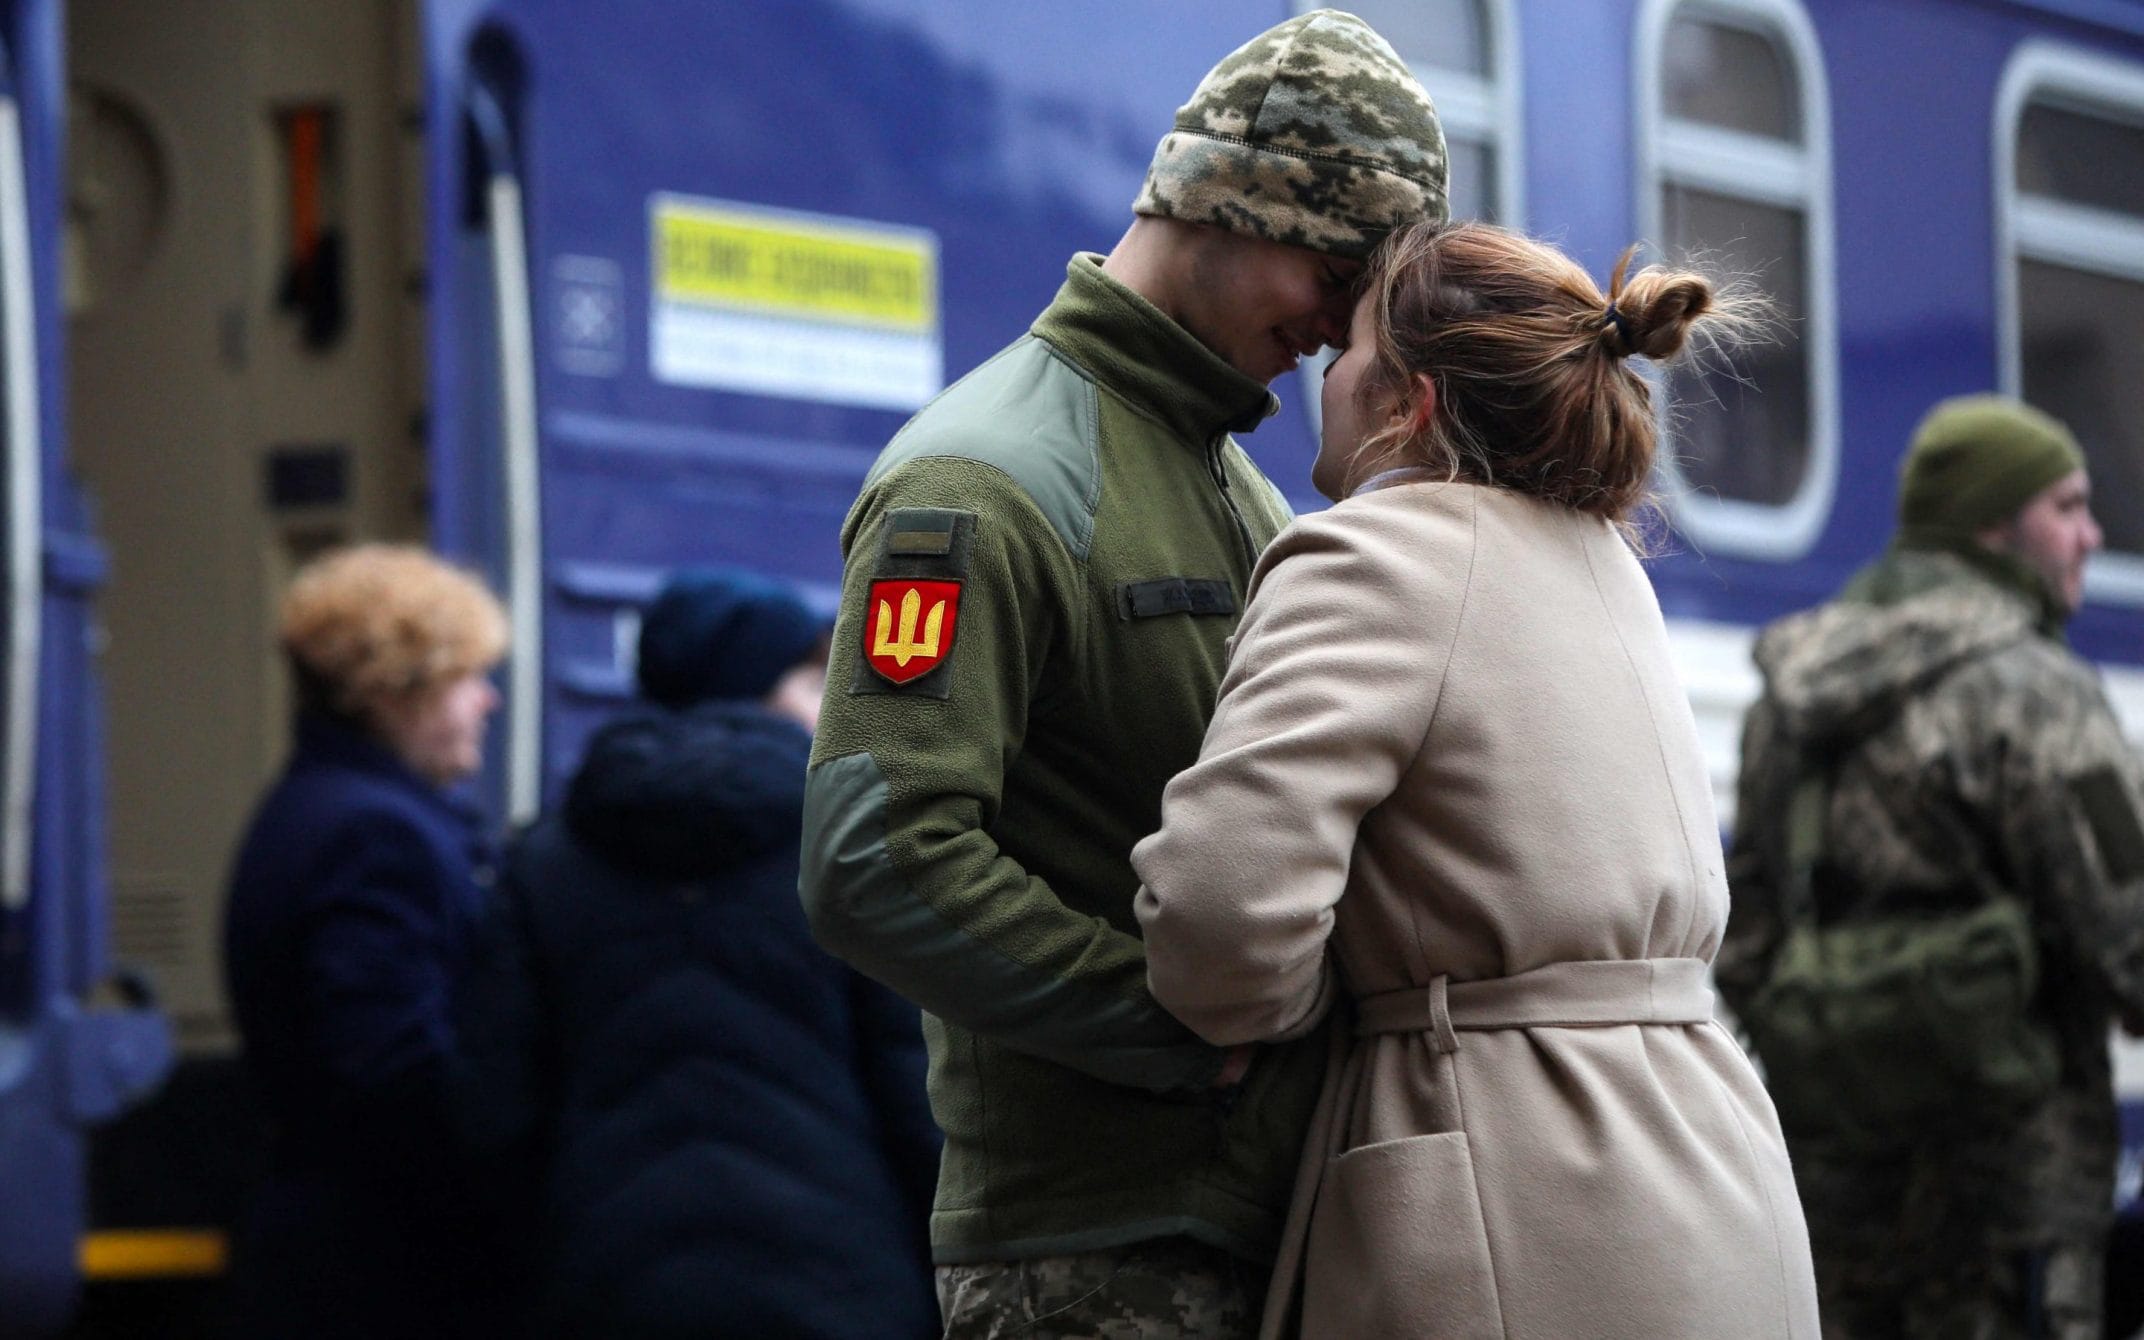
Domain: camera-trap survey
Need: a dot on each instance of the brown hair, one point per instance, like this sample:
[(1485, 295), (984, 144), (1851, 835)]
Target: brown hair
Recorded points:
[(376, 623), (1533, 393)]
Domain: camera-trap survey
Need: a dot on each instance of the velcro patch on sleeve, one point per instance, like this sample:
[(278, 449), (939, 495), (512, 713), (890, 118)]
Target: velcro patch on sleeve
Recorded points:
[(911, 620), (1175, 595), (2112, 814), (935, 543)]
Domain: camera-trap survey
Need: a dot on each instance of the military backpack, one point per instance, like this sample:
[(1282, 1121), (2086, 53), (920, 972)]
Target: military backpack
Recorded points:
[(1880, 1030)]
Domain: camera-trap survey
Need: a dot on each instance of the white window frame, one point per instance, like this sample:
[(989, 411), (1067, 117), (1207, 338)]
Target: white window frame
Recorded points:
[(1490, 109), (1670, 151), (2057, 232)]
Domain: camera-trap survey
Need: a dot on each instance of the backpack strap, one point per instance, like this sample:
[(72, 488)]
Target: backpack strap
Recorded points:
[(1806, 823), (1809, 805)]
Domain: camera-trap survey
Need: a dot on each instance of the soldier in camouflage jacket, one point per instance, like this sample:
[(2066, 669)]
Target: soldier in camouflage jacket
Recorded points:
[(1971, 747)]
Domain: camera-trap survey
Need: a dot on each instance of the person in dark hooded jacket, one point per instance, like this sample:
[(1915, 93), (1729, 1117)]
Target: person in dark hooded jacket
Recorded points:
[(727, 1127)]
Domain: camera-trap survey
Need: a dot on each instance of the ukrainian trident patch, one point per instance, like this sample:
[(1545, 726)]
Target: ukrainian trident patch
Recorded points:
[(909, 626)]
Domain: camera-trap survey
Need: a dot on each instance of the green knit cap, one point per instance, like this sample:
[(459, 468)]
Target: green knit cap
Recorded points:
[(1313, 133), (1975, 461)]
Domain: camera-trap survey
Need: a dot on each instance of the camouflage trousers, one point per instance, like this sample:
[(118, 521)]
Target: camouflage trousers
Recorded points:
[(1168, 1289), (1902, 1253), (2051, 1293)]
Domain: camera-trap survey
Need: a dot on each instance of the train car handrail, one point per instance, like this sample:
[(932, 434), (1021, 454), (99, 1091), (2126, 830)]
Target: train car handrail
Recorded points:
[(518, 458), (25, 505)]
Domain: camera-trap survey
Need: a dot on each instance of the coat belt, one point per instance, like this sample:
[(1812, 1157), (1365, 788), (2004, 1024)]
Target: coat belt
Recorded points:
[(1585, 994)]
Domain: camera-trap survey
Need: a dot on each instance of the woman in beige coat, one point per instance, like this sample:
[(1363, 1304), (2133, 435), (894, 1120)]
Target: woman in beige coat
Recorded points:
[(1453, 795)]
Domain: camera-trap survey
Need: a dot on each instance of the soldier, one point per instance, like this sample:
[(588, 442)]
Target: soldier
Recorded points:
[(1967, 774), (1043, 571)]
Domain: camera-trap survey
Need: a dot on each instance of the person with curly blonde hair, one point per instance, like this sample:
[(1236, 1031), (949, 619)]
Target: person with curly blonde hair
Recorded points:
[(353, 905), (1453, 806), (385, 636)]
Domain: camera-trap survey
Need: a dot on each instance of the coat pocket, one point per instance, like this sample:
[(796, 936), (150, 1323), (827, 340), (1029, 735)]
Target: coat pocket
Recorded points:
[(1397, 1247)]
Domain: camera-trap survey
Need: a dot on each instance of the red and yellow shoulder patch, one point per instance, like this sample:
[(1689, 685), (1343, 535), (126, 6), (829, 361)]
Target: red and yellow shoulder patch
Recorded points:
[(909, 626)]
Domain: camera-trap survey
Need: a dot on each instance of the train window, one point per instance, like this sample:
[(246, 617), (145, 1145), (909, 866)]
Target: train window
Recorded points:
[(2081, 158), (1735, 175), (1764, 401), (2080, 334), (1728, 77), (2070, 217)]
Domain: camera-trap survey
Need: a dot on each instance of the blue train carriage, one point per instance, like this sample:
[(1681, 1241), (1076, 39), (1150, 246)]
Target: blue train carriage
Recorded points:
[(581, 292)]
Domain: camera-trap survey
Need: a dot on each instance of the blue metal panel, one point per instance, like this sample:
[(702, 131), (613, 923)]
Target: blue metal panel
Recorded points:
[(1579, 94), (40, 1152), (53, 954)]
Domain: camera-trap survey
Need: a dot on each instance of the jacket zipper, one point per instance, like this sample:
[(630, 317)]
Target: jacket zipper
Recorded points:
[(1220, 478)]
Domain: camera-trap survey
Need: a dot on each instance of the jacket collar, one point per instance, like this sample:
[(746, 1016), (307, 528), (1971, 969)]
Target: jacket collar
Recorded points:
[(1125, 343), (1917, 563), (330, 741)]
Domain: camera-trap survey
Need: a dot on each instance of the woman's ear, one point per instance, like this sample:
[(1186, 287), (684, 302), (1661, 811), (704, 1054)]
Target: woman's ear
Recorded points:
[(1422, 410)]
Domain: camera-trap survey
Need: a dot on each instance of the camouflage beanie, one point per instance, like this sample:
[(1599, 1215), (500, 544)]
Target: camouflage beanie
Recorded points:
[(1313, 133), (1974, 462)]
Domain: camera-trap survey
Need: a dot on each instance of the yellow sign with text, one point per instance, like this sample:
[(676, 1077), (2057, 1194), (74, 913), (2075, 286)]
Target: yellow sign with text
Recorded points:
[(795, 266)]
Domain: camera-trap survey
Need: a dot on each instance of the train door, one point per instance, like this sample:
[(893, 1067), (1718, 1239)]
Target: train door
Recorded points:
[(244, 316), (72, 1051)]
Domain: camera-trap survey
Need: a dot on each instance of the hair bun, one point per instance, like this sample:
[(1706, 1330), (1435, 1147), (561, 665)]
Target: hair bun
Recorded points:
[(1652, 313), (1525, 354)]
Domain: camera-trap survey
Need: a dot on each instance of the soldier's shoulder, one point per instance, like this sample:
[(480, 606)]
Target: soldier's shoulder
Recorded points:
[(1027, 415), (2034, 666), (2033, 696)]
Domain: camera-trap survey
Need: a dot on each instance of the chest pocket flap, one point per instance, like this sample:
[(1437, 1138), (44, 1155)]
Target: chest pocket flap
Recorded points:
[(1175, 595)]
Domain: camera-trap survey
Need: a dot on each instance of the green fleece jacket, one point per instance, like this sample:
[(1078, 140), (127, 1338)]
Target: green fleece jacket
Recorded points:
[(1043, 572)]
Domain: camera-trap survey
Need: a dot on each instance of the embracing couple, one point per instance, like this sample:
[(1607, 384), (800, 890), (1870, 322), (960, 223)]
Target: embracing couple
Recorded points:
[(1312, 917)]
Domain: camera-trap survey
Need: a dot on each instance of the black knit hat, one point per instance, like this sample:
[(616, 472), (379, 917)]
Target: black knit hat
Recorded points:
[(719, 633)]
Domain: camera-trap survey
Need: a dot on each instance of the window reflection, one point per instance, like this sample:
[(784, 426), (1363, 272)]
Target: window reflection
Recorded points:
[(1730, 78), (1449, 34), (2083, 360), (2086, 160), (1743, 431)]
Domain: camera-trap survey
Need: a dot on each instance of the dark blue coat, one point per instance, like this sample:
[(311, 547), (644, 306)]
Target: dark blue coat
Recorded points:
[(353, 909), (730, 1125)]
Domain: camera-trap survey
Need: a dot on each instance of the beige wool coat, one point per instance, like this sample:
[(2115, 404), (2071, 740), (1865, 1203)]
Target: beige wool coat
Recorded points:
[(1453, 791)]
